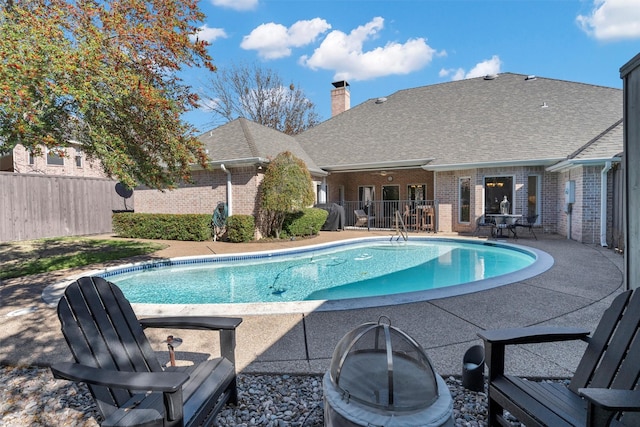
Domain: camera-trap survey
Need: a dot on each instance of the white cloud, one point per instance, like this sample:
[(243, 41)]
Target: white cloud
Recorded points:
[(208, 105), (274, 41), (612, 20), (209, 34), (345, 54), (489, 66), (236, 4)]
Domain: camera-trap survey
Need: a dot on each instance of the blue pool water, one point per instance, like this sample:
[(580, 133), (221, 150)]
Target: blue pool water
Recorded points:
[(347, 270)]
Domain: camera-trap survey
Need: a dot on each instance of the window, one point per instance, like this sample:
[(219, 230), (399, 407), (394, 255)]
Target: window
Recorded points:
[(366, 195), (533, 196), (495, 189), (417, 193), (78, 158), (55, 156), (464, 199), (32, 158)]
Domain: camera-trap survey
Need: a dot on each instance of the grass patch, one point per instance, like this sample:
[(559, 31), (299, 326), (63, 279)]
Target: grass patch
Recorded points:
[(19, 259)]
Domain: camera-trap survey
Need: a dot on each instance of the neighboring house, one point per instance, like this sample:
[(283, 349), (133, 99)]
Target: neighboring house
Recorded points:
[(67, 161), (460, 145), (58, 193)]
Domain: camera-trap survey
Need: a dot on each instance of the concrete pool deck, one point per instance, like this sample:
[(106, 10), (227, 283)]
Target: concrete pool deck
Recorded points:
[(573, 292)]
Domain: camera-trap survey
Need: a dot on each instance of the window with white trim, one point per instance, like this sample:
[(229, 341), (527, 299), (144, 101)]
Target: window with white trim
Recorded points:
[(464, 199), (55, 156)]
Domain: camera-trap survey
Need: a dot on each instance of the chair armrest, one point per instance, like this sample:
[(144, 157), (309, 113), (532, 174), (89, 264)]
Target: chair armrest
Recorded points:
[(225, 325), (533, 335), (495, 342), (154, 381), (612, 399), (192, 322)]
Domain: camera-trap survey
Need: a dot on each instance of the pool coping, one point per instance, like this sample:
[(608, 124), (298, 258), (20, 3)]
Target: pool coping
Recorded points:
[(52, 293)]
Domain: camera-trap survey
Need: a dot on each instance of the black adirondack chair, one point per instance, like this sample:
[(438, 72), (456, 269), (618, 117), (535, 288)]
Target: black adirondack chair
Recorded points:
[(604, 389), (114, 358)]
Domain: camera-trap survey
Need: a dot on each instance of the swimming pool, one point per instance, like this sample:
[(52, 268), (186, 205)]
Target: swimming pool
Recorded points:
[(347, 274)]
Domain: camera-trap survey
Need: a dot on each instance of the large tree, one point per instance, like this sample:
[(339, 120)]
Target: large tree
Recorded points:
[(287, 187), (258, 94), (103, 73)]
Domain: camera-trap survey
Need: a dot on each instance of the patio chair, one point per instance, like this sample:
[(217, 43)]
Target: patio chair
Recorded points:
[(531, 220), (410, 217), (362, 218), (604, 390), (484, 222), (128, 383)]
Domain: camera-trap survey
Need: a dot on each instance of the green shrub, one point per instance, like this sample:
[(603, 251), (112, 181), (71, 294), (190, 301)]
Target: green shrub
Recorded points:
[(241, 228), (306, 222), (188, 227)]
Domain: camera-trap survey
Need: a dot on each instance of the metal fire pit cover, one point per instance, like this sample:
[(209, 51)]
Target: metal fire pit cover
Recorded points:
[(380, 366)]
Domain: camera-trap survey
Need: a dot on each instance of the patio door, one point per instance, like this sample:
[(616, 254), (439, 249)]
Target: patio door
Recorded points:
[(390, 200), (533, 196), (366, 195), (496, 188)]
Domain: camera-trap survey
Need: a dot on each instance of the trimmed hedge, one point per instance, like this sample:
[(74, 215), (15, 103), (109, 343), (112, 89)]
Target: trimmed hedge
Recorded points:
[(241, 228), (306, 222), (187, 227)]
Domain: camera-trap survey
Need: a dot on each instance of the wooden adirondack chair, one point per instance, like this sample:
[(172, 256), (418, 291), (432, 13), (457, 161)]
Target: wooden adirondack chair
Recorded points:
[(114, 358), (604, 389)]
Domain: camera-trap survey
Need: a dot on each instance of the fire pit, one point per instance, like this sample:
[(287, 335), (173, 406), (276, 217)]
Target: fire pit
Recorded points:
[(381, 376)]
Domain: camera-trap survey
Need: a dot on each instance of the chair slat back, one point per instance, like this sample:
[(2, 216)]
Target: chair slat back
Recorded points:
[(610, 345), (102, 330)]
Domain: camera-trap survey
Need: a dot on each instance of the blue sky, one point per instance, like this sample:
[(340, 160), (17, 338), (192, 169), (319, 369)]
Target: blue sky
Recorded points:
[(381, 47)]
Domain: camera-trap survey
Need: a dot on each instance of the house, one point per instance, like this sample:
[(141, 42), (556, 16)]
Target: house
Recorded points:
[(552, 147), (242, 150), (68, 161)]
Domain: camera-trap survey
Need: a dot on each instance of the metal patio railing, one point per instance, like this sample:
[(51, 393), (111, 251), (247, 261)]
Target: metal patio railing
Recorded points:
[(416, 215)]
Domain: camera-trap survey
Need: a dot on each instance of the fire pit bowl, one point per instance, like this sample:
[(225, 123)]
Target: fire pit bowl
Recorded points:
[(381, 376)]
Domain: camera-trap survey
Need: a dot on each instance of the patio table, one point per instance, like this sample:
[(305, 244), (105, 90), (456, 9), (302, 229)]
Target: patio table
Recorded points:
[(505, 221)]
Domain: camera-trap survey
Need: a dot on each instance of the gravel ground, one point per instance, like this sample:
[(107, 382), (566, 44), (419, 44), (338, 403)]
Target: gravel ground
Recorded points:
[(32, 397)]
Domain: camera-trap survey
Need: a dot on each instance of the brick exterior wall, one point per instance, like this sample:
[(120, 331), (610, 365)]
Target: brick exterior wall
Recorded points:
[(585, 214), (447, 196), (89, 168), (209, 188), (202, 196)]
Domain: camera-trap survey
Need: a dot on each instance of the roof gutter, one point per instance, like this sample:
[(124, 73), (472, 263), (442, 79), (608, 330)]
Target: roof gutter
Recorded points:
[(571, 163), (395, 164), (492, 164), (260, 161), (249, 161)]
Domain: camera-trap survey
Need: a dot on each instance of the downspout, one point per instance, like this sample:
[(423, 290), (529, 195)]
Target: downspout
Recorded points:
[(229, 188), (603, 204)]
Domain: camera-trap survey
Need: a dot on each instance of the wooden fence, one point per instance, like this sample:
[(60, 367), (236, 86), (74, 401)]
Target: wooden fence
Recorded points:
[(37, 206)]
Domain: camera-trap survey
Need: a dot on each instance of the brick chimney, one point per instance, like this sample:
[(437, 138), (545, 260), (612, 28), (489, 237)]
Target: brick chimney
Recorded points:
[(340, 97)]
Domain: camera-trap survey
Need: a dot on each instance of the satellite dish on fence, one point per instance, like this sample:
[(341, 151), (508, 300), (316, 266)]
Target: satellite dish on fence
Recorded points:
[(124, 192)]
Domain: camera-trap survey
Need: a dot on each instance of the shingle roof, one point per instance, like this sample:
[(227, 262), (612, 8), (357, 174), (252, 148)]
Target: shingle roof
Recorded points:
[(511, 118), (604, 146), (242, 140)]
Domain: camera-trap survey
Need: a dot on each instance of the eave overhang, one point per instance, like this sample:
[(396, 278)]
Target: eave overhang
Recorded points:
[(572, 163), (492, 164), (250, 161), (375, 166)]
